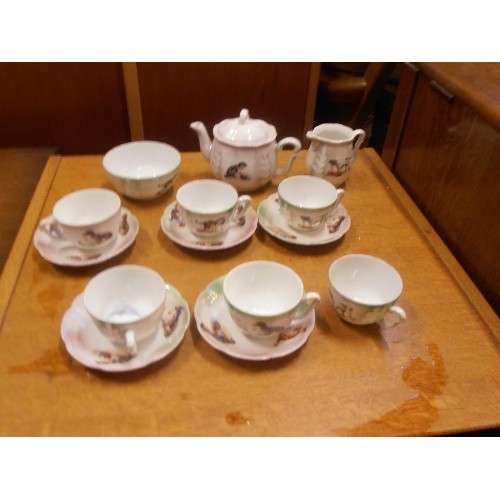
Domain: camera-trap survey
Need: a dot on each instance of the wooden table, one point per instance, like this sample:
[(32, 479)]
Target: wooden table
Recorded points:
[(437, 373), (20, 170)]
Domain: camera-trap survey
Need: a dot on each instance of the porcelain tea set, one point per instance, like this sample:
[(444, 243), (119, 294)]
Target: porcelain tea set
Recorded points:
[(244, 151), (128, 317)]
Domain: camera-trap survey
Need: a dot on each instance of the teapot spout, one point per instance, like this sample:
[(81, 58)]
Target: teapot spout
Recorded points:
[(205, 142)]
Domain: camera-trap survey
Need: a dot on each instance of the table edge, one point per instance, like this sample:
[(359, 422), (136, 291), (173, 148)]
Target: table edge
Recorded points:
[(462, 279), (24, 236)]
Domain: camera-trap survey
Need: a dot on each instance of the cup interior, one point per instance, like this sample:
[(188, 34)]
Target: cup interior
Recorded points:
[(207, 196), (365, 279), (334, 132), (263, 288), (307, 192), (141, 160), (86, 207), (124, 294)]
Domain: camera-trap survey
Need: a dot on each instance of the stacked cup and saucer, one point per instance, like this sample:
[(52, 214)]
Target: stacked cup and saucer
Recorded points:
[(258, 311), (306, 210), (208, 214), (86, 227), (126, 318)]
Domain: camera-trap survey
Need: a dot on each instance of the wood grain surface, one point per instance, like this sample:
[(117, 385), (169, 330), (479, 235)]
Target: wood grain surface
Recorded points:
[(437, 373)]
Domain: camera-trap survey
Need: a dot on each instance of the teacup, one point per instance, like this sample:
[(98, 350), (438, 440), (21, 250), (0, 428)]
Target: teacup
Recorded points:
[(126, 304), (307, 202), (88, 218), (264, 297), (208, 207), (364, 289)]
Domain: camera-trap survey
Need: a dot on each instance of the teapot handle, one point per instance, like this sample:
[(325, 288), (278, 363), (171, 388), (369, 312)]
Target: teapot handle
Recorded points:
[(288, 141)]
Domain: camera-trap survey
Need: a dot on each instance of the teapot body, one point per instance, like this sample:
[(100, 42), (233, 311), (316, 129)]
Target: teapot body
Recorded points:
[(244, 151), (332, 151), (249, 168)]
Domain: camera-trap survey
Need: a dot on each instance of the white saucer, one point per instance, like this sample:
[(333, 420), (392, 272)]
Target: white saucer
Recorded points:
[(219, 330), (272, 221), (88, 346), (58, 250), (175, 229)]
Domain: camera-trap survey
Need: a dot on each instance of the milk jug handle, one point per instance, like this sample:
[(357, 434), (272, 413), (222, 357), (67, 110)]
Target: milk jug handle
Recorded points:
[(358, 137), (288, 141)]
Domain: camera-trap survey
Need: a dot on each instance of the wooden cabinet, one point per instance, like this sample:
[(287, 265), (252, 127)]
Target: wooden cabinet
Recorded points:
[(443, 145)]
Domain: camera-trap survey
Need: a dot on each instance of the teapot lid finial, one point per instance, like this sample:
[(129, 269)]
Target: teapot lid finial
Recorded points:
[(244, 131), (244, 115)]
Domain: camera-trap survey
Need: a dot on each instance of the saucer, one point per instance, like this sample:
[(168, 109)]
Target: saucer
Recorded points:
[(91, 348), (219, 330), (178, 232), (56, 249), (272, 221)]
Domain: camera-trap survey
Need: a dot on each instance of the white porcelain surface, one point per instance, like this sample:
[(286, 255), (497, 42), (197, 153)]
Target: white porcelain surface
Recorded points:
[(307, 202), (264, 297), (271, 219), (142, 169), (89, 347), (55, 248), (174, 227), (126, 303), (244, 131), (244, 152), (89, 218), (209, 206), (332, 151), (364, 288), (218, 329)]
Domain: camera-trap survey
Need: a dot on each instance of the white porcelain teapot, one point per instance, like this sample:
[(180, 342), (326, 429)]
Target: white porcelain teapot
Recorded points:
[(244, 151)]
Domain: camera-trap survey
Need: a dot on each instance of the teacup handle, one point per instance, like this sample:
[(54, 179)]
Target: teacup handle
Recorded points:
[(308, 301), (243, 202), (131, 343), (52, 229), (400, 315), (288, 141), (340, 195)]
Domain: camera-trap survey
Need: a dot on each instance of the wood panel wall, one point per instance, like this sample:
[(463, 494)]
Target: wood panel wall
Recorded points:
[(79, 108), (175, 94), (87, 108)]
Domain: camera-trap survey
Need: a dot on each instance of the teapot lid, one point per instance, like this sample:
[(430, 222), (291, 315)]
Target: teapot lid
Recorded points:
[(244, 131)]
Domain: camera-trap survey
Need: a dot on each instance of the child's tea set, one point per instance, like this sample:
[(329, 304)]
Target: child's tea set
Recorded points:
[(128, 317)]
